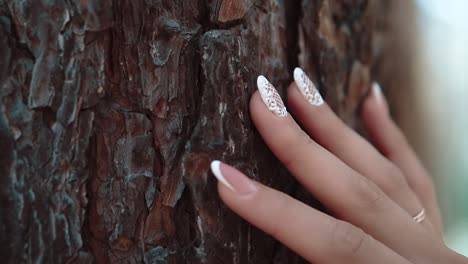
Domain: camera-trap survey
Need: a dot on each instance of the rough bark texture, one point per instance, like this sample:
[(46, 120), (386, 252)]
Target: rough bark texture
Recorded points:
[(111, 112)]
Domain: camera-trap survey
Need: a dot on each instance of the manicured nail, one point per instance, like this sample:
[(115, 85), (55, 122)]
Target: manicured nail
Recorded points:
[(307, 87), (232, 178), (271, 97), (378, 96), (377, 91)]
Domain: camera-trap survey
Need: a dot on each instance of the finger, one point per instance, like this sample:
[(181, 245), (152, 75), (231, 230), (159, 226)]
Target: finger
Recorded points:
[(391, 142), (316, 236), (347, 194), (325, 127)]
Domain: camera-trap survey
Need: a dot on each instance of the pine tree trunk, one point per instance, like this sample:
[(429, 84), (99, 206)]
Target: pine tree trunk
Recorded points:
[(111, 112)]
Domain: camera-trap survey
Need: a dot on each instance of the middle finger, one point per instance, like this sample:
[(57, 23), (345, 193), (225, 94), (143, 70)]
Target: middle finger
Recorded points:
[(331, 132)]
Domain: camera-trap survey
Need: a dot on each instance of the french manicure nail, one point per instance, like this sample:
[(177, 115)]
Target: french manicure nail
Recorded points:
[(216, 169), (307, 87), (232, 178), (270, 97), (377, 90), (378, 96)]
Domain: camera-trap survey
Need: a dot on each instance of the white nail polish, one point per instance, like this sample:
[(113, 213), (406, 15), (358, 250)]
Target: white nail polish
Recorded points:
[(377, 90), (216, 169), (307, 87), (270, 97)]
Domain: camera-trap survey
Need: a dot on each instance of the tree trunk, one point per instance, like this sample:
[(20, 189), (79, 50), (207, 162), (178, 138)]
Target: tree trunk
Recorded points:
[(111, 112)]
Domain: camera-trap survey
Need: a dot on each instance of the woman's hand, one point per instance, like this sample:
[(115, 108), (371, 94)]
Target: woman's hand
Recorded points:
[(376, 195)]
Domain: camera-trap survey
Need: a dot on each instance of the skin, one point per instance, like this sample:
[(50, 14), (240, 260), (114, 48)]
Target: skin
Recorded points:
[(373, 191)]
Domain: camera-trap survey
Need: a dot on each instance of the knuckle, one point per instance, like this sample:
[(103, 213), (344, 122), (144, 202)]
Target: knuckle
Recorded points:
[(368, 196), (393, 180), (281, 205), (303, 139), (427, 186), (347, 239), (296, 142), (397, 137), (400, 136)]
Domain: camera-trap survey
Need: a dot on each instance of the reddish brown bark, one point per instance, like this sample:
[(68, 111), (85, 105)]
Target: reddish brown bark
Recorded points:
[(113, 110)]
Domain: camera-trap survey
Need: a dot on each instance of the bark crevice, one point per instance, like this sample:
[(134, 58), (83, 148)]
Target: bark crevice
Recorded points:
[(131, 100), (293, 13)]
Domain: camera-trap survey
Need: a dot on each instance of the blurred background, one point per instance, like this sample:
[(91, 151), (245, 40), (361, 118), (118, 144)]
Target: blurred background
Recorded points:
[(432, 109)]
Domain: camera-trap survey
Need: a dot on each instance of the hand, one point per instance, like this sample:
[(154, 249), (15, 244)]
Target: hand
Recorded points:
[(372, 194)]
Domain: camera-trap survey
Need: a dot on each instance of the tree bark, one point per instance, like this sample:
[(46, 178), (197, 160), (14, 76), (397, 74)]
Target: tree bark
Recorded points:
[(111, 112)]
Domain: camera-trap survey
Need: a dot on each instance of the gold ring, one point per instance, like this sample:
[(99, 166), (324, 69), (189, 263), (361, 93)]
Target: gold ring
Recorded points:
[(420, 217)]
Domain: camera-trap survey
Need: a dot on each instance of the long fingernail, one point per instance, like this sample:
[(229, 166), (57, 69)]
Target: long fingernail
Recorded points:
[(307, 87), (232, 178), (271, 97), (377, 94), (377, 91)]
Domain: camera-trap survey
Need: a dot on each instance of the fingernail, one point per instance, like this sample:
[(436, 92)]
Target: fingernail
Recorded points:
[(379, 96), (377, 91), (270, 97), (307, 87), (232, 178)]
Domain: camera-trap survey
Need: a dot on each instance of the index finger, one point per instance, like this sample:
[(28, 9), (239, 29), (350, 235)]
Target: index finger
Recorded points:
[(312, 234)]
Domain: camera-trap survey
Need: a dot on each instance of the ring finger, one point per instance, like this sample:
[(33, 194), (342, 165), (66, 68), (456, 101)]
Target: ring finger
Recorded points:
[(325, 127)]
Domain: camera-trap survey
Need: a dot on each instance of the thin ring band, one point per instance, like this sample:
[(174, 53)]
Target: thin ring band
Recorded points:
[(420, 217)]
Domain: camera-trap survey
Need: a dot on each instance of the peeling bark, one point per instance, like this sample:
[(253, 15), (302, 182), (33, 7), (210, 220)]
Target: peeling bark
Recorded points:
[(111, 112)]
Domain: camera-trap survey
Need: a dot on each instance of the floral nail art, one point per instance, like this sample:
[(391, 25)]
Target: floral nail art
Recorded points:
[(307, 87), (271, 97)]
